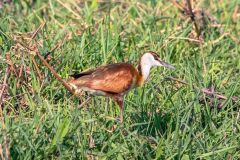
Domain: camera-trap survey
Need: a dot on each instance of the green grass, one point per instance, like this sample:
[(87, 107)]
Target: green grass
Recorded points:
[(162, 120)]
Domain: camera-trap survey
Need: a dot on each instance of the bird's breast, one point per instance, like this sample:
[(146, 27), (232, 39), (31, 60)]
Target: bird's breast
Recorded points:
[(140, 80)]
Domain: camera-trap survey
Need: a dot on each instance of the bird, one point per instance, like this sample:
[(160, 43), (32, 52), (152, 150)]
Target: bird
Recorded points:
[(117, 79)]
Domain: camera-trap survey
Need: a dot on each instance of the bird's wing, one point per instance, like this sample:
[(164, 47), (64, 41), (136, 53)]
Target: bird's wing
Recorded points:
[(113, 78)]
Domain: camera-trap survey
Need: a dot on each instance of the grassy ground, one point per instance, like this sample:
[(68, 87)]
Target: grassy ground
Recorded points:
[(163, 120)]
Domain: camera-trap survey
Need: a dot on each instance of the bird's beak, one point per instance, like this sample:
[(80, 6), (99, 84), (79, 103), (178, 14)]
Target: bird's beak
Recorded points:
[(165, 64)]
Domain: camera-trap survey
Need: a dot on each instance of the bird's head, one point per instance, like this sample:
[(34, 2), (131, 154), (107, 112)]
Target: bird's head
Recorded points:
[(152, 59)]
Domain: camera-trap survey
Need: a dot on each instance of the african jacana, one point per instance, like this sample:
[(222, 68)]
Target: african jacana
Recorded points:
[(115, 80)]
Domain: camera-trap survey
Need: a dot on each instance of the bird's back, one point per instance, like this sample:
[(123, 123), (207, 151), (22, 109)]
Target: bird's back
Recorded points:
[(113, 78)]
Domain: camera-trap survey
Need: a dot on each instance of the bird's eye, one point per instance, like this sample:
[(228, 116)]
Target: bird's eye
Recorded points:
[(156, 57)]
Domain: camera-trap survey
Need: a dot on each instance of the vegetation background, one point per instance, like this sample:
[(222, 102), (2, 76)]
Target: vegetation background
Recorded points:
[(166, 119)]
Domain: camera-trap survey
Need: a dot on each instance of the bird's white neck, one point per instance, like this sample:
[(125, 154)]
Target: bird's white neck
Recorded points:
[(145, 71)]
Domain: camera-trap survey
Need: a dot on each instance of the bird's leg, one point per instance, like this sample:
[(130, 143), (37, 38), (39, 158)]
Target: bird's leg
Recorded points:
[(119, 100)]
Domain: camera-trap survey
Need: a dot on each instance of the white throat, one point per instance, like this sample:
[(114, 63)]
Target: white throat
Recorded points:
[(145, 70)]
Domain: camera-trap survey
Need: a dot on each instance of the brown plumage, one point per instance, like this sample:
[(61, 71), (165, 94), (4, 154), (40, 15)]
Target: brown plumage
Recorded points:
[(114, 80)]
